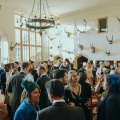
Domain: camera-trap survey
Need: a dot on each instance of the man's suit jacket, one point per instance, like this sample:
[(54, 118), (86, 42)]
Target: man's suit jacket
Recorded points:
[(3, 78), (61, 111), (44, 102), (16, 89)]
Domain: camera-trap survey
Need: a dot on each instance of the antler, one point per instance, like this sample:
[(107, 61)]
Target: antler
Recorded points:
[(12, 47), (107, 39), (85, 23), (69, 52), (77, 27), (91, 45), (51, 38), (68, 33), (92, 48), (15, 45), (58, 46), (110, 41), (80, 45)]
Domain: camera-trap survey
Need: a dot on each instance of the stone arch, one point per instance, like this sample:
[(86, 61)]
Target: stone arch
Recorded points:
[(85, 59)]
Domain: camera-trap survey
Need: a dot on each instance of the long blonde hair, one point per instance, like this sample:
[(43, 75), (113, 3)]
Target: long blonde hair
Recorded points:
[(70, 76), (70, 81)]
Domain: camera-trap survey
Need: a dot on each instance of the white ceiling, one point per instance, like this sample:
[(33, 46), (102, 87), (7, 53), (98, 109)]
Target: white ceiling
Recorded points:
[(57, 6)]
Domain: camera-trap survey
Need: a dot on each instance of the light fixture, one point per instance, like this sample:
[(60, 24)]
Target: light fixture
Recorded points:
[(12, 46), (41, 19)]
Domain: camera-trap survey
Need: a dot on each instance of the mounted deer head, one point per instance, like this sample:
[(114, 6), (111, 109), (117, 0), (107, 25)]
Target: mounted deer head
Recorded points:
[(12, 47), (58, 46), (92, 48), (85, 23), (69, 52), (108, 53), (80, 45), (51, 55), (51, 38), (68, 33), (111, 40)]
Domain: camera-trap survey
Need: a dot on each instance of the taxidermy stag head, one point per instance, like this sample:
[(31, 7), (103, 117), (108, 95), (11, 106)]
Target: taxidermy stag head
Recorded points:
[(68, 33), (85, 23), (111, 40), (51, 38), (69, 52), (108, 53), (12, 47), (58, 46), (80, 45), (92, 48)]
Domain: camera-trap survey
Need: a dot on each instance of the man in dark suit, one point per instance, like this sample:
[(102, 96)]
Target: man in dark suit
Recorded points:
[(44, 101), (15, 86), (5, 76), (16, 65), (59, 110), (62, 75)]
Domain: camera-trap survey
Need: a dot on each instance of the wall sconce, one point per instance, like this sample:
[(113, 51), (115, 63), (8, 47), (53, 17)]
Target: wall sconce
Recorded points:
[(12, 47), (108, 53), (92, 48)]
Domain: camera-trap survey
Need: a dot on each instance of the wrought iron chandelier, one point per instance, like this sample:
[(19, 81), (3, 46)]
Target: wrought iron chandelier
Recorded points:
[(40, 19)]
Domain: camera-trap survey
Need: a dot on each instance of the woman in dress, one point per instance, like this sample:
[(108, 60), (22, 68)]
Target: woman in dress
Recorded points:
[(109, 107), (28, 108), (74, 93), (89, 73)]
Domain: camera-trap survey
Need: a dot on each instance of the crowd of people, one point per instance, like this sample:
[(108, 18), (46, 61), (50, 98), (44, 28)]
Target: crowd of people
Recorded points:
[(59, 91)]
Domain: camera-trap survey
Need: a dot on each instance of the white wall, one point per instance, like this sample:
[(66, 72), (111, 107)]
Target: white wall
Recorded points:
[(99, 39), (7, 27)]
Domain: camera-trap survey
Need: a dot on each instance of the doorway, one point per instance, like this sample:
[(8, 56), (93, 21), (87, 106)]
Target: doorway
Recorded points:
[(79, 61)]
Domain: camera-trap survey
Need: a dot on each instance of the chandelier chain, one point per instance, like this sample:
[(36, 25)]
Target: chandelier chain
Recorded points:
[(32, 9)]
